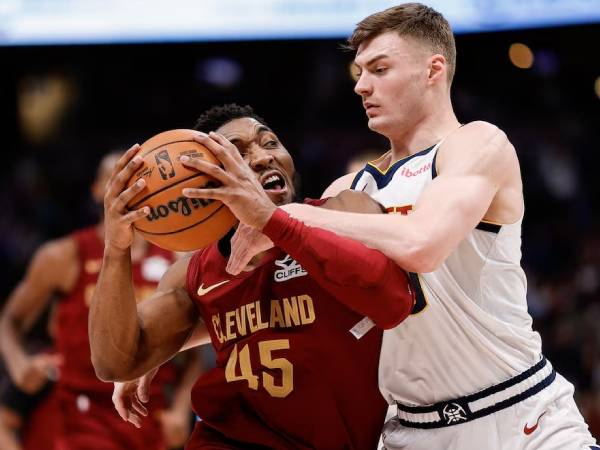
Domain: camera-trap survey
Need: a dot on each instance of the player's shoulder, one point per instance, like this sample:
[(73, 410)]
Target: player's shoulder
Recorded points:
[(477, 146), (177, 274), (180, 266), (478, 131), (342, 183), (55, 264), (57, 251), (473, 139)]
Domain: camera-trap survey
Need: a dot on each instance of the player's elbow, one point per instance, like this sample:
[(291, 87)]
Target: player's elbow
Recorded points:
[(111, 372), (425, 260), (421, 255), (111, 367), (104, 370)]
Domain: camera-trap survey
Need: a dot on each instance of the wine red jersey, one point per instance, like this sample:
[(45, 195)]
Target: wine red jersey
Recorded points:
[(289, 374), (77, 372)]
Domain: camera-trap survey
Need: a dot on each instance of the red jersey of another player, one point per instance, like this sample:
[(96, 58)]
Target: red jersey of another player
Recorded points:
[(289, 373), (72, 341), (88, 418)]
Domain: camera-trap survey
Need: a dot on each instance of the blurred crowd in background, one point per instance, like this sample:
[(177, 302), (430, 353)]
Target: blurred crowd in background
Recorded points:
[(63, 107)]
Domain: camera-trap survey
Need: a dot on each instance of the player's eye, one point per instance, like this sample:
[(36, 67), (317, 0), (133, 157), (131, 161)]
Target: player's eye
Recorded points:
[(380, 70), (270, 144)]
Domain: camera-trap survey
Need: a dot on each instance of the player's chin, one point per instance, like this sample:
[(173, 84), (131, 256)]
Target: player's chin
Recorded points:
[(375, 123), (381, 125), (280, 196)]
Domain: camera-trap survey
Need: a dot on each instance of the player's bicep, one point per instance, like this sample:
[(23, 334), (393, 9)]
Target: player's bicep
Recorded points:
[(472, 167), (167, 318), (478, 148), (453, 205)]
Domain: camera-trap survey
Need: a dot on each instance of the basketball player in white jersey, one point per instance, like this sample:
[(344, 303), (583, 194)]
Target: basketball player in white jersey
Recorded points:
[(466, 370)]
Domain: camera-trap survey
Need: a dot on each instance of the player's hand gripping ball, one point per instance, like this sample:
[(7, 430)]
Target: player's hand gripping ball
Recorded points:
[(176, 222)]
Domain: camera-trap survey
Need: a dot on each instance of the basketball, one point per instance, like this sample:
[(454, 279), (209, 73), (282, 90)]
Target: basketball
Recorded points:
[(176, 222)]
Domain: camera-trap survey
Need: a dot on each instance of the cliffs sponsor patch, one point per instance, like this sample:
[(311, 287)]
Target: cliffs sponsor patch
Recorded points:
[(290, 268)]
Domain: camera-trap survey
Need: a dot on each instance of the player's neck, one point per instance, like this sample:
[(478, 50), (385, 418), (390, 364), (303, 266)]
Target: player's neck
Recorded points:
[(427, 132)]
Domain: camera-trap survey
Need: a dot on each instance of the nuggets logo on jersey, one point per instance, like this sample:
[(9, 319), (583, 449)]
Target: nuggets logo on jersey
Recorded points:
[(289, 269)]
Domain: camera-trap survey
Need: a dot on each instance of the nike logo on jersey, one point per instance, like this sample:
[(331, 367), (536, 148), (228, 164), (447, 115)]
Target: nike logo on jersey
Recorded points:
[(289, 269), (205, 290), (528, 430)]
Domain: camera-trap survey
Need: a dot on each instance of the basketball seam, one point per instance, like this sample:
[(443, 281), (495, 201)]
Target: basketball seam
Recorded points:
[(181, 229), (132, 207), (164, 144)]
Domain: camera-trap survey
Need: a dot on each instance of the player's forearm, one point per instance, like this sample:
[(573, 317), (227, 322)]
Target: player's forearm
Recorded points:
[(392, 234), (363, 279), (114, 327), (11, 343)]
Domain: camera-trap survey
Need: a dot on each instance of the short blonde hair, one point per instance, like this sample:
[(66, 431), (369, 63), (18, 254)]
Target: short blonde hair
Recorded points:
[(415, 20)]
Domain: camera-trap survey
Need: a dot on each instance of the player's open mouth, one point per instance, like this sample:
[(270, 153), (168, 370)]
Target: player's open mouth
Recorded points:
[(273, 181)]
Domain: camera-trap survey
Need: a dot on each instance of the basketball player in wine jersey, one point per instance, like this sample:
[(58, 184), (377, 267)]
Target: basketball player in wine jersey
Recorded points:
[(465, 371), (77, 413), (297, 362)]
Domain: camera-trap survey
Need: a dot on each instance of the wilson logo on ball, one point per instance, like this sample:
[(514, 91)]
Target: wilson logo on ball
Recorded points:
[(182, 205)]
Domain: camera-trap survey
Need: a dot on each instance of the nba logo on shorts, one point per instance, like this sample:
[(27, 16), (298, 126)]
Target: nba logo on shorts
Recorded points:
[(165, 166)]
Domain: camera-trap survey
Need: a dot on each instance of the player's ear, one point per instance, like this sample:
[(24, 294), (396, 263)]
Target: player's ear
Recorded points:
[(437, 69)]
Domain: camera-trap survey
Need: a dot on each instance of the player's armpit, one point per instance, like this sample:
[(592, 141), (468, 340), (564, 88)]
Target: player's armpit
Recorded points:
[(199, 336), (361, 278)]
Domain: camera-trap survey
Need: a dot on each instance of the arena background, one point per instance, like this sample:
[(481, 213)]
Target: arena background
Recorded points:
[(63, 106)]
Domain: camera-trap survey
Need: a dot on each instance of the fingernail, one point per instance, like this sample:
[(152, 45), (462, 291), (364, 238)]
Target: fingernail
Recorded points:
[(184, 158), (141, 182), (137, 159), (185, 191), (146, 210)]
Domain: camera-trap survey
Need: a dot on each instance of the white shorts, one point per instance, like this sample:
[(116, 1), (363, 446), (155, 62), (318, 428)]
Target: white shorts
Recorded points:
[(560, 426)]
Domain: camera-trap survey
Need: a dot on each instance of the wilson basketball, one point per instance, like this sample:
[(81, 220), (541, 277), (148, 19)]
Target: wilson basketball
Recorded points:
[(177, 222)]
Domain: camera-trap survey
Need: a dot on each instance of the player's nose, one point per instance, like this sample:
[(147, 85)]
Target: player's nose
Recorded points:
[(363, 86), (258, 158)]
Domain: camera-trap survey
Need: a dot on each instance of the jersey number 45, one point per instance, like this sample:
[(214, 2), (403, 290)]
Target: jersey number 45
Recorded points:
[(265, 351)]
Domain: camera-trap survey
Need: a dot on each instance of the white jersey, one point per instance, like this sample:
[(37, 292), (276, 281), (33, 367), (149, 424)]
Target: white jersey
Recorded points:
[(469, 328)]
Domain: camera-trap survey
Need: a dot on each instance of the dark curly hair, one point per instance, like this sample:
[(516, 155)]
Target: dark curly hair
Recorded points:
[(217, 116)]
